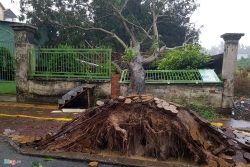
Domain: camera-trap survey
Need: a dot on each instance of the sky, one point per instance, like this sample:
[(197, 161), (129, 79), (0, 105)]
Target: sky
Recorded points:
[(217, 17), (222, 16)]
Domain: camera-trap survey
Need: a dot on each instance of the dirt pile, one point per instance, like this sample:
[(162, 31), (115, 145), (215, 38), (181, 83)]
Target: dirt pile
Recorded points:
[(149, 127)]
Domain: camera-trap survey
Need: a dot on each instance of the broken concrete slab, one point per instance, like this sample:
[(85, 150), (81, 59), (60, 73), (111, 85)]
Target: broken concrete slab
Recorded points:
[(72, 110)]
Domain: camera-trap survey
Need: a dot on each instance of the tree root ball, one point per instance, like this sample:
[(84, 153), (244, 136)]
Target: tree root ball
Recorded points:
[(140, 129)]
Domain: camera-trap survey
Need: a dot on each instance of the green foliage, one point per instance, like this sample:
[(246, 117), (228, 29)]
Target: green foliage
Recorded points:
[(48, 159), (206, 112), (188, 57), (244, 63), (36, 164), (6, 64), (64, 61), (129, 54), (200, 107), (114, 69), (67, 21)]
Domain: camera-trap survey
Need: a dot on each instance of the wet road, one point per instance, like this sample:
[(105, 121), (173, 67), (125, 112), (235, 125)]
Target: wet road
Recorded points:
[(8, 153)]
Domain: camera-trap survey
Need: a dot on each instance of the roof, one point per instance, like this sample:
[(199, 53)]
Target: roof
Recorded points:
[(9, 14), (2, 6)]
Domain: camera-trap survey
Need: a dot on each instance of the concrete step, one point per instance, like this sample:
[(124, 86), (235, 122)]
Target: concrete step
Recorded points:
[(73, 94)]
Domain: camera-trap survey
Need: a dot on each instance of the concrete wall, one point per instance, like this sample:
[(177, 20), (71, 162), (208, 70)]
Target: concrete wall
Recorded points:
[(44, 90), (207, 94)]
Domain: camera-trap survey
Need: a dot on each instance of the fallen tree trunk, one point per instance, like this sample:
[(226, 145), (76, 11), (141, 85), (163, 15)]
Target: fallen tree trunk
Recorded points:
[(141, 128)]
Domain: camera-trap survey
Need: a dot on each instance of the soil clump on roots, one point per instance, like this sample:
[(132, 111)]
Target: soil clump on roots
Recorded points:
[(148, 127)]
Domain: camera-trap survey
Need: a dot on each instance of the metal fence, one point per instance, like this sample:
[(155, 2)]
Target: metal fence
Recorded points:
[(175, 76), (70, 63), (7, 61)]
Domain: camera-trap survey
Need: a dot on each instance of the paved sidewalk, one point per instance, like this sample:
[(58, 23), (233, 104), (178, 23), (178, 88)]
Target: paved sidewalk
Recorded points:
[(8, 98), (8, 153), (31, 119)]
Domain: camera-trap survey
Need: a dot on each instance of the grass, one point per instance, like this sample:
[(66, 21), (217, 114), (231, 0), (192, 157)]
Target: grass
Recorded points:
[(201, 108), (39, 111), (206, 112), (241, 88)]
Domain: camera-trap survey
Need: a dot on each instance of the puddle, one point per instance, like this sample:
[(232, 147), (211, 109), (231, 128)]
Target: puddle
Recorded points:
[(236, 124)]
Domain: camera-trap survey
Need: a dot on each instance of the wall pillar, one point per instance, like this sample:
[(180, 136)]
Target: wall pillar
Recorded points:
[(24, 39), (229, 67), (115, 85)]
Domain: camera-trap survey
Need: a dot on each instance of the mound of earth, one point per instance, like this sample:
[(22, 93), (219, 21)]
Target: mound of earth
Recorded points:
[(149, 127)]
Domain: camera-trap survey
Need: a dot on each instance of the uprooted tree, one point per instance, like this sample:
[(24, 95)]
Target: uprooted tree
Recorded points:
[(156, 25), (136, 125), (150, 127)]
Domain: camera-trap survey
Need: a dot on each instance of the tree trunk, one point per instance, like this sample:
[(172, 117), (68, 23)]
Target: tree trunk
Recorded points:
[(137, 73), (137, 78)]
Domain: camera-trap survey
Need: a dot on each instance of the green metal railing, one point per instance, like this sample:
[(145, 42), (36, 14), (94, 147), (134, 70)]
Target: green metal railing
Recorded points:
[(7, 62), (174, 76), (70, 63)]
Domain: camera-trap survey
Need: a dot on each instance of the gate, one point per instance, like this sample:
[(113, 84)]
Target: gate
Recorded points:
[(7, 61)]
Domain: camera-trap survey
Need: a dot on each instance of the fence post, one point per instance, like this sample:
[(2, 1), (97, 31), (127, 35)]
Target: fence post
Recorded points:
[(24, 39), (229, 67)]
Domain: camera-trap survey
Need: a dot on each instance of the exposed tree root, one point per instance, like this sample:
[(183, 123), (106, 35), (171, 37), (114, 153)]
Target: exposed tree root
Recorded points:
[(143, 129)]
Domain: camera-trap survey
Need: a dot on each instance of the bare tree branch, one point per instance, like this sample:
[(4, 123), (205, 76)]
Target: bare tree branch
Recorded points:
[(94, 28), (117, 66), (129, 32), (157, 54), (124, 19), (154, 56), (99, 18), (124, 5)]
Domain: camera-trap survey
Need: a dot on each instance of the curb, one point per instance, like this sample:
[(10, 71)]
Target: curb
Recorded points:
[(28, 105), (76, 156), (35, 117)]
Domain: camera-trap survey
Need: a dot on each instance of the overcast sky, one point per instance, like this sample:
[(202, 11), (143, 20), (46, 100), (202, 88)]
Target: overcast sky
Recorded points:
[(217, 16), (222, 16)]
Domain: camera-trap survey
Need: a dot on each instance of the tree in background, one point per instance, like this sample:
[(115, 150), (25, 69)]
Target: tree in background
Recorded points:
[(132, 23), (218, 49), (188, 57), (244, 49), (244, 63)]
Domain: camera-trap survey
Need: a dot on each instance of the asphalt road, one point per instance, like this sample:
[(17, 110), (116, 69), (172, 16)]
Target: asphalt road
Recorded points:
[(8, 153)]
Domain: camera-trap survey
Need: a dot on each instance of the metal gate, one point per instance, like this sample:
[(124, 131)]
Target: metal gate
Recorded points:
[(7, 62)]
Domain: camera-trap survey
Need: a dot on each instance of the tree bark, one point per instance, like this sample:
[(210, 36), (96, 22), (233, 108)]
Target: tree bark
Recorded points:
[(137, 78), (137, 72)]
